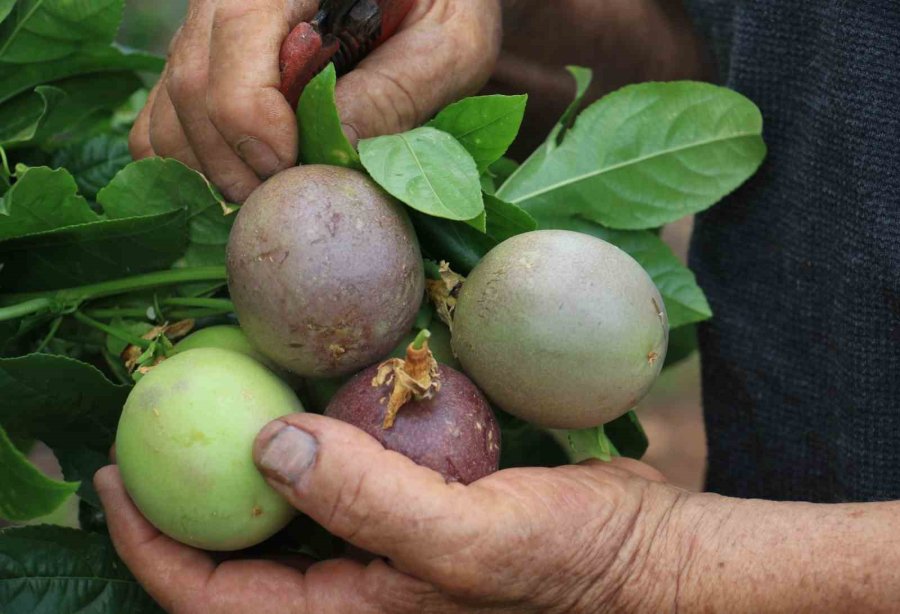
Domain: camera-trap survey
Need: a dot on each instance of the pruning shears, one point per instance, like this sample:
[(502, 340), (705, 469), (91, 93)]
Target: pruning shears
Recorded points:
[(343, 32)]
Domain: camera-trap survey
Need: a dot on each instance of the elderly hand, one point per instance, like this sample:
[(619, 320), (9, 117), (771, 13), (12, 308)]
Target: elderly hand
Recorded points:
[(571, 539), (217, 107)]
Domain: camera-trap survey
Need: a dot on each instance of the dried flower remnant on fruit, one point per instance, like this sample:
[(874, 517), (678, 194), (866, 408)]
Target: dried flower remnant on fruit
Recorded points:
[(133, 356), (414, 378), (443, 292)]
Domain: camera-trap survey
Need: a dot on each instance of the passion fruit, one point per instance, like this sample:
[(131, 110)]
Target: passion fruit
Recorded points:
[(325, 271), (184, 447), (561, 329)]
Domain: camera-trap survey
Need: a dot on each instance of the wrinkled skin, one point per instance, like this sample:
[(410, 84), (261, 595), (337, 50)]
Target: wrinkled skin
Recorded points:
[(561, 329), (184, 448), (324, 270), (455, 433)]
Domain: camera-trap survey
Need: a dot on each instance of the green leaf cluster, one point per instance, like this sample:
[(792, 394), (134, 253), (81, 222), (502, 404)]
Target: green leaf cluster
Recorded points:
[(60, 74)]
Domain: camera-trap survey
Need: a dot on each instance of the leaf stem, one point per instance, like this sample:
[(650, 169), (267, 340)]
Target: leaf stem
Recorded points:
[(54, 327)]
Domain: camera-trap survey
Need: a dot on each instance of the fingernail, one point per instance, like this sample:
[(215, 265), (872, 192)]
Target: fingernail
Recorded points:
[(284, 452), (259, 156), (351, 133)]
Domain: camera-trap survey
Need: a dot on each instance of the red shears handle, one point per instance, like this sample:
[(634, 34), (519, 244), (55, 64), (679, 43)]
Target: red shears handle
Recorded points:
[(307, 50)]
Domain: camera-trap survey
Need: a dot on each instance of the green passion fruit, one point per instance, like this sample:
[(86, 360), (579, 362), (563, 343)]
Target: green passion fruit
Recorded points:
[(226, 337), (325, 271), (184, 447), (561, 329)]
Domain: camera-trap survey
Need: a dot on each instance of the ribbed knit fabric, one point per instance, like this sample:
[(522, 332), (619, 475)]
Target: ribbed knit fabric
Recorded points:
[(801, 363)]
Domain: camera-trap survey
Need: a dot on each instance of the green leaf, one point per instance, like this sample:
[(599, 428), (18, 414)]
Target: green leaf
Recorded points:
[(502, 169), (644, 156), (86, 101), (525, 445), (41, 30), (67, 404), (156, 185), (21, 116), (428, 170), (485, 125), (93, 252), (583, 78), (461, 244), (5, 8), (94, 162), (505, 220), (42, 199), (55, 570), (682, 344), (322, 138), (685, 301), (18, 78), (25, 492), (456, 242), (628, 436)]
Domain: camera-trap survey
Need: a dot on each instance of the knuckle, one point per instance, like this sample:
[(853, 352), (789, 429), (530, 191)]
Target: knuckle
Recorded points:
[(186, 82), (230, 11), (224, 111)]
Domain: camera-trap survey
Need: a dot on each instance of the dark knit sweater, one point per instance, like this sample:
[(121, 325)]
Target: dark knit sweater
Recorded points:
[(801, 363)]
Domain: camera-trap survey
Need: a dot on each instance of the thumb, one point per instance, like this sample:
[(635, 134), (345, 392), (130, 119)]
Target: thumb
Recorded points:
[(374, 498), (445, 50)]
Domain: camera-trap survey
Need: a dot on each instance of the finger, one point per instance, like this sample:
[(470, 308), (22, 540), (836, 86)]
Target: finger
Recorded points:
[(139, 137), (244, 101), (446, 51), (171, 572), (181, 578), (166, 135), (640, 469), (187, 85), (378, 500)]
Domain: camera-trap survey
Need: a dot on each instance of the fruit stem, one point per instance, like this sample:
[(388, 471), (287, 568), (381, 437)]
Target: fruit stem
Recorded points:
[(415, 378), (421, 339)]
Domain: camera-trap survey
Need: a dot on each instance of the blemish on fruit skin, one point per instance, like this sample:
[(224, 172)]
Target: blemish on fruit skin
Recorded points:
[(156, 412), (256, 512), (652, 357)]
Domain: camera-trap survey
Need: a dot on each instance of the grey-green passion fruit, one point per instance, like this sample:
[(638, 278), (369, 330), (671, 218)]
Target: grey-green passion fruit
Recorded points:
[(184, 447), (561, 329), (324, 270)]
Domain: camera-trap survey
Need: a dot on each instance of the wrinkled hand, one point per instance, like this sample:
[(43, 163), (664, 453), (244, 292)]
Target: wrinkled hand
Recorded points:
[(217, 107), (572, 539)]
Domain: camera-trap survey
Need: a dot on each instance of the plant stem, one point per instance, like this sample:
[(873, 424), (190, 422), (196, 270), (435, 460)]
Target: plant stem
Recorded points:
[(109, 313), (25, 308), (112, 330), (35, 302), (207, 303), (54, 327)]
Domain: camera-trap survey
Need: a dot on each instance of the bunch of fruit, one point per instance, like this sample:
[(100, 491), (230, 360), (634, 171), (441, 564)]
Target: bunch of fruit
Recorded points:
[(557, 328)]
